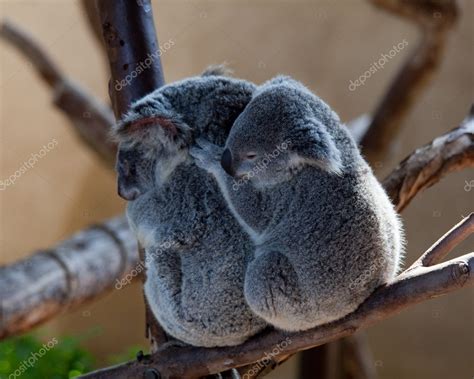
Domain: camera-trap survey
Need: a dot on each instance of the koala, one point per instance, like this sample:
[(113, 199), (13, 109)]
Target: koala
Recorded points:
[(196, 252), (325, 233)]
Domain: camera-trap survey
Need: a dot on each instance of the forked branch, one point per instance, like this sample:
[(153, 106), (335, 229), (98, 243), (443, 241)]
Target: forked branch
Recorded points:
[(411, 287), (445, 244)]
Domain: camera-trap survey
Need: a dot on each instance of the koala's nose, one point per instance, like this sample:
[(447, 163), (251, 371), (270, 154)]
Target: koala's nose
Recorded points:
[(226, 162), (128, 193)]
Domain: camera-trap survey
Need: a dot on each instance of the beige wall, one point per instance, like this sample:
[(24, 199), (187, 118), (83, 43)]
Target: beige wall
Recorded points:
[(322, 43)]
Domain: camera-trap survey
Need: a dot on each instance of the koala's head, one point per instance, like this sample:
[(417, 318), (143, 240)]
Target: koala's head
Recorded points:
[(152, 142), (282, 129)]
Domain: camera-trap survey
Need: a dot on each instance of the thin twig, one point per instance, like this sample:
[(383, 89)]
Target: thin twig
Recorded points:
[(446, 243)]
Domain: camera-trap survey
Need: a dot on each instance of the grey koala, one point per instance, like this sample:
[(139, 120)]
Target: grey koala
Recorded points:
[(325, 232), (196, 252)]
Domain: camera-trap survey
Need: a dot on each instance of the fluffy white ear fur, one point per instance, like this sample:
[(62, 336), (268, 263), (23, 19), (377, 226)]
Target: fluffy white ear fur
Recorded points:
[(297, 162), (152, 131), (313, 145)]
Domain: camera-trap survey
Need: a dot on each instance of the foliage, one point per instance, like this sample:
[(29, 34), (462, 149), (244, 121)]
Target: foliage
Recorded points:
[(33, 358)]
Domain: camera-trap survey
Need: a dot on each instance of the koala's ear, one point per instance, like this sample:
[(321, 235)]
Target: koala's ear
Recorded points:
[(313, 145), (153, 131)]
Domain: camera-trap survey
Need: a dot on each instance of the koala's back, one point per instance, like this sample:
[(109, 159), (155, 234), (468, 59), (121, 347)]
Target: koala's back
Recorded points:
[(340, 235)]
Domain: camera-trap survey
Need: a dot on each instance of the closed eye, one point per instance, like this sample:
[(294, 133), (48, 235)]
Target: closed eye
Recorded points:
[(251, 156)]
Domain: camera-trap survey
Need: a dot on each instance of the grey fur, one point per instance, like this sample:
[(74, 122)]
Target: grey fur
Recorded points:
[(196, 251), (326, 234)]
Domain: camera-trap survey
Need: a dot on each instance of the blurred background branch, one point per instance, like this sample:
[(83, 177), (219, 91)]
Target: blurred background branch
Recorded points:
[(91, 119), (434, 18)]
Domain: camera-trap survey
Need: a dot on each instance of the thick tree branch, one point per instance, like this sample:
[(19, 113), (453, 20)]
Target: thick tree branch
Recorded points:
[(415, 285), (130, 40), (408, 289), (90, 117), (358, 362), (434, 18), (72, 273)]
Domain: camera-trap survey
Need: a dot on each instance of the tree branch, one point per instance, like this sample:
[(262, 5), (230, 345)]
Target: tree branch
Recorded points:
[(434, 18), (408, 289), (130, 41), (450, 152), (445, 244), (415, 285), (90, 117), (74, 272)]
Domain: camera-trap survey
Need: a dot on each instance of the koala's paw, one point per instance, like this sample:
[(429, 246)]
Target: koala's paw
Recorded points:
[(206, 155)]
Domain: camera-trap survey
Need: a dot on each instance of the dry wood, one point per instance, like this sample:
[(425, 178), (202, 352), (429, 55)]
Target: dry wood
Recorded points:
[(410, 288), (129, 35), (130, 38), (74, 272), (450, 152), (446, 243)]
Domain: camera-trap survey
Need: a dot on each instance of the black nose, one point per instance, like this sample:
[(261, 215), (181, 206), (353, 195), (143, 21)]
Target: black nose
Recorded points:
[(129, 194), (226, 162)]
